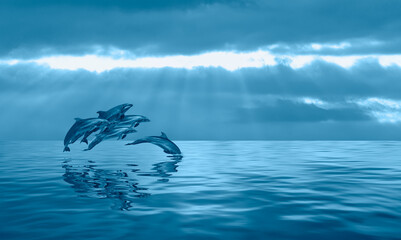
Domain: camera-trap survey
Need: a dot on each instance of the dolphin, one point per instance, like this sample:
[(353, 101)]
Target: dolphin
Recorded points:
[(112, 132), (132, 120), (115, 113), (162, 141), (126, 121), (80, 127), (87, 134), (101, 128)]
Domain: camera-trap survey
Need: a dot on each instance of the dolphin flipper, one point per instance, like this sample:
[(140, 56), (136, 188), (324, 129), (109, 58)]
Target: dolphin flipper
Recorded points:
[(136, 142), (122, 136)]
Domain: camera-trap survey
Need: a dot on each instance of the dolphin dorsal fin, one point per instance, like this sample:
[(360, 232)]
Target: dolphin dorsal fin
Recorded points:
[(102, 114), (164, 135), (78, 119)]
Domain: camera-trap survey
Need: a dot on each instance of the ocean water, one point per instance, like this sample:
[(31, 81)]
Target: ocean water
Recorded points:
[(218, 190)]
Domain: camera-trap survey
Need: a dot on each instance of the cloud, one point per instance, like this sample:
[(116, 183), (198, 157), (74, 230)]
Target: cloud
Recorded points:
[(384, 110), (121, 4), (36, 28), (274, 102), (346, 47), (290, 111), (325, 81)]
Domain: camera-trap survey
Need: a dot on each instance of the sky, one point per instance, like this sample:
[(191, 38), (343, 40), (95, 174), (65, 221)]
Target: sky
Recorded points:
[(204, 69)]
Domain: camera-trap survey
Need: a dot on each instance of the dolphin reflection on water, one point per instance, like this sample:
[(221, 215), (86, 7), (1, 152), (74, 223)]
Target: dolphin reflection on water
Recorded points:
[(120, 186), (162, 141)]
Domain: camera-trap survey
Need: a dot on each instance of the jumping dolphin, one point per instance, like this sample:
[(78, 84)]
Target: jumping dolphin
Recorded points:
[(162, 141), (126, 121), (115, 113), (112, 132), (132, 120), (87, 134), (80, 127)]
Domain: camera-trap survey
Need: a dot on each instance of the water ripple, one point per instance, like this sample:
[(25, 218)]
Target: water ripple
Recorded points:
[(219, 190)]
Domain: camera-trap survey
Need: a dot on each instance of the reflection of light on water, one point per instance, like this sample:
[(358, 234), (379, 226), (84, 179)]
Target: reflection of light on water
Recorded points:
[(120, 186)]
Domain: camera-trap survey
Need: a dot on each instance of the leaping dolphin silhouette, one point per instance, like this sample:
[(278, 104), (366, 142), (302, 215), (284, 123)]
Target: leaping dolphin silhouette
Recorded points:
[(110, 132), (87, 134), (115, 113), (126, 121), (132, 120), (80, 127), (162, 141)]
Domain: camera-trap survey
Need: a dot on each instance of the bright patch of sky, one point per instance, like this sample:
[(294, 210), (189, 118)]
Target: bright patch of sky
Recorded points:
[(315, 101), (230, 61), (384, 110), (317, 46)]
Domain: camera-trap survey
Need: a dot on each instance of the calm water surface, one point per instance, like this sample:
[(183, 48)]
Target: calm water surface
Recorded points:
[(218, 190)]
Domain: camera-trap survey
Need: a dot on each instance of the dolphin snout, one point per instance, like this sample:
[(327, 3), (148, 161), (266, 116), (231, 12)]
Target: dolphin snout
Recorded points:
[(128, 106)]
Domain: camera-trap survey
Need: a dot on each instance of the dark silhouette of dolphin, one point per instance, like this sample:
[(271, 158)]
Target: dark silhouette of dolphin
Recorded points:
[(132, 120), (110, 132), (87, 134), (162, 141), (115, 113), (126, 121), (80, 127)]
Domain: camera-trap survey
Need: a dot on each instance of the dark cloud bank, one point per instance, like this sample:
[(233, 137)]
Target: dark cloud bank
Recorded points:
[(203, 103), (33, 28)]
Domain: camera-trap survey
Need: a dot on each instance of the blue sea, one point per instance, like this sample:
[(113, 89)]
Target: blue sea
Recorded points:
[(218, 190)]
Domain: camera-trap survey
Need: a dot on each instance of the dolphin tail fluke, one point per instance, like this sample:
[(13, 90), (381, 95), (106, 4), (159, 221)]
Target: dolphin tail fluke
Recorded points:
[(102, 114), (66, 149), (85, 141)]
